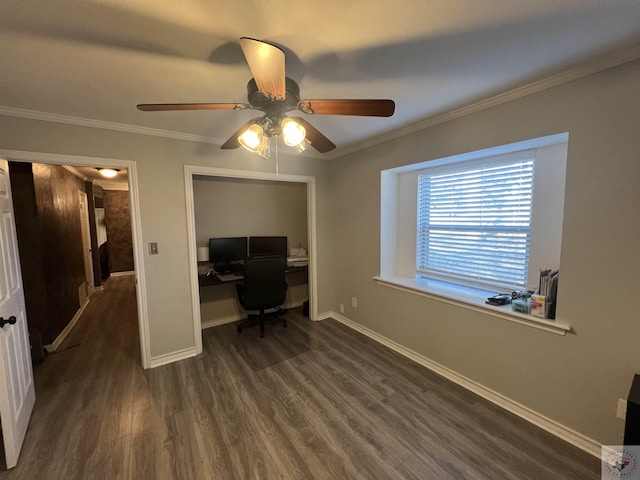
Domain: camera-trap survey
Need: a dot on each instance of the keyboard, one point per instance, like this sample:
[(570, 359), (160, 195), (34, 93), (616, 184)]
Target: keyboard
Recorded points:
[(228, 277)]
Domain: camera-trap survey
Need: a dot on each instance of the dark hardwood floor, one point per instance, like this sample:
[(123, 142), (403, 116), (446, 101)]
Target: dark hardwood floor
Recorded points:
[(313, 401)]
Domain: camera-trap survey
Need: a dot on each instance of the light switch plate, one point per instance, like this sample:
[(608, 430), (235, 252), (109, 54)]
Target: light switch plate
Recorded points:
[(153, 248)]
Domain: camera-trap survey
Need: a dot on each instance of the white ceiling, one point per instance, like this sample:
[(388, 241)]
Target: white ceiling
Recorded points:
[(97, 59)]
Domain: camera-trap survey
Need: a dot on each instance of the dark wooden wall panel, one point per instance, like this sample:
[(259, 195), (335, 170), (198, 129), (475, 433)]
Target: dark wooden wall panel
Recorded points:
[(59, 217), (30, 248), (50, 243), (118, 219)]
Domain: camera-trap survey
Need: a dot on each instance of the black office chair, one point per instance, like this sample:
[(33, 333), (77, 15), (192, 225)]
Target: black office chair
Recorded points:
[(264, 287)]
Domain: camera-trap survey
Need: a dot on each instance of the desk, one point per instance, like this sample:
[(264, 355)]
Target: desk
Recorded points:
[(211, 280), (219, 300)]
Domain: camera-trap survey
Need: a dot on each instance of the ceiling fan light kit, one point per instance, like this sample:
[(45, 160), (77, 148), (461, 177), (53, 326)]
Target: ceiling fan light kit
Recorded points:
[(255, 140), (293, 134), (251, 137), (271, 92)]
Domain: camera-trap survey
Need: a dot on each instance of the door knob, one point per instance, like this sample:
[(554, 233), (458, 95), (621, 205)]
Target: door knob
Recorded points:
[(11, 320)]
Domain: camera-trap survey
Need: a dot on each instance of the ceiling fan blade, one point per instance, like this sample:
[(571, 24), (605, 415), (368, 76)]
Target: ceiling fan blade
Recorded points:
[(266, 63), (317, 139), (233, 139), (159, 107), (363, 108)]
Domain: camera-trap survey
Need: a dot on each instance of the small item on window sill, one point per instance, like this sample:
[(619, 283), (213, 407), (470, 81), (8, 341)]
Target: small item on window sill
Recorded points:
[(500, 299)]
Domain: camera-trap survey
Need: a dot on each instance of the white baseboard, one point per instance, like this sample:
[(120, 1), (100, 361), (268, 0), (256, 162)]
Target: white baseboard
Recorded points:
[(325, 315), (173, 357), (122, 274), (220, 321), (52, 347), (561, 431), (216, 322)]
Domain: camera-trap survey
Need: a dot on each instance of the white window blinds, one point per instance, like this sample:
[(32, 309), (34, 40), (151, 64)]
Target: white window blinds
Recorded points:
[(474, 223)]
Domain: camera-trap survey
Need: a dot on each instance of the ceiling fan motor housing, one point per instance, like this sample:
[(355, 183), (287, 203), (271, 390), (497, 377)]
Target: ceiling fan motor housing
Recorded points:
[(265, 101)]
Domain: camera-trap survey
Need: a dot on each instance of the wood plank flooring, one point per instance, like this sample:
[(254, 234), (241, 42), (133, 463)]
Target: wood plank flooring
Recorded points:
[(313, 401)]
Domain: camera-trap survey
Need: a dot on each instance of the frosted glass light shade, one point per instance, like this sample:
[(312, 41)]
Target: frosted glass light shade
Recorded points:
[(292, 132), (251, 138), (265, 147), (303, 145)]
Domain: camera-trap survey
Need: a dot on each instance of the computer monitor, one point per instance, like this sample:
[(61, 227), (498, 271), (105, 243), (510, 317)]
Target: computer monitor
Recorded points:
[(227, 250), (261, 246)]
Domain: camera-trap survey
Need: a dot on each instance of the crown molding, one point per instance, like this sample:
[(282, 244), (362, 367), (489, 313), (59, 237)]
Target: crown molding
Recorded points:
[(75, 172), (123, 187), (595, 64), (120, 127)]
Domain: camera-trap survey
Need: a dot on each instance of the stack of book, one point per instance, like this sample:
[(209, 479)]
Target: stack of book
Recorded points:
[(543, 303)]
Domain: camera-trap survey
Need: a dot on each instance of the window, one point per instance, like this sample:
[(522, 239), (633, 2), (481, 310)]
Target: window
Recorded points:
[(415, 194), (474, 221), (461, 228)]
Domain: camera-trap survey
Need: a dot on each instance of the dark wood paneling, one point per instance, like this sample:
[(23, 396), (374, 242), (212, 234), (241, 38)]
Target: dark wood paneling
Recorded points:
[(50, 243), (59, 217), (30, 247), (118, 219)]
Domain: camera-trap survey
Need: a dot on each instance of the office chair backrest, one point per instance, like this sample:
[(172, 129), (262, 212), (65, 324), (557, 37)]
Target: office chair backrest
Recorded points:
[(264, 282)]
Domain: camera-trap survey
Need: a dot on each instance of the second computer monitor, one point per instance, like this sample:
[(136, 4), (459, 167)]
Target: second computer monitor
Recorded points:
[(261, 246)]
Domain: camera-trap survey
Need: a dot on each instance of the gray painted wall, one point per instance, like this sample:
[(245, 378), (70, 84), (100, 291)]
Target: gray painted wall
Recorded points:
[(230, 207), (577, 379)]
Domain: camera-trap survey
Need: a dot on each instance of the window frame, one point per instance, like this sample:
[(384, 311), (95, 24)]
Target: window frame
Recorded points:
[(471, 279), (398, 231)]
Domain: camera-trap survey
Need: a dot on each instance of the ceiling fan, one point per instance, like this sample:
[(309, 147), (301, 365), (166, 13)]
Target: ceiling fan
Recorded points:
[(275, 95)]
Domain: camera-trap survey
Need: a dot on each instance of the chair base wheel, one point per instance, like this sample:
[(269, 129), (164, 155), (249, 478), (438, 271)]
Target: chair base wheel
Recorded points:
[(251, 321)]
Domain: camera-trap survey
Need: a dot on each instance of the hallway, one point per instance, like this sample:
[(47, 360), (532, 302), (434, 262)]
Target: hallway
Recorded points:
[(82, 423)]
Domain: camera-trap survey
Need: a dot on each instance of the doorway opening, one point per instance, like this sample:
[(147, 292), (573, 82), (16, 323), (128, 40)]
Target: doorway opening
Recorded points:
[(137, 265), (192, 172)]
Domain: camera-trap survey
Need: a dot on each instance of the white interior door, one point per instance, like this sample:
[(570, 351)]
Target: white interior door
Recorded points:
[(86, 244), (17, 392)]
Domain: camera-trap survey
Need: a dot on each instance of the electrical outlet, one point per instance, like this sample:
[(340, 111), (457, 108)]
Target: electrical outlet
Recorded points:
[(342, 308), (354, 302), (622, 409)]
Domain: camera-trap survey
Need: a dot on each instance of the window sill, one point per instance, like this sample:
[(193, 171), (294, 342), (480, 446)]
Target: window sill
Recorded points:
[(469, 298)]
